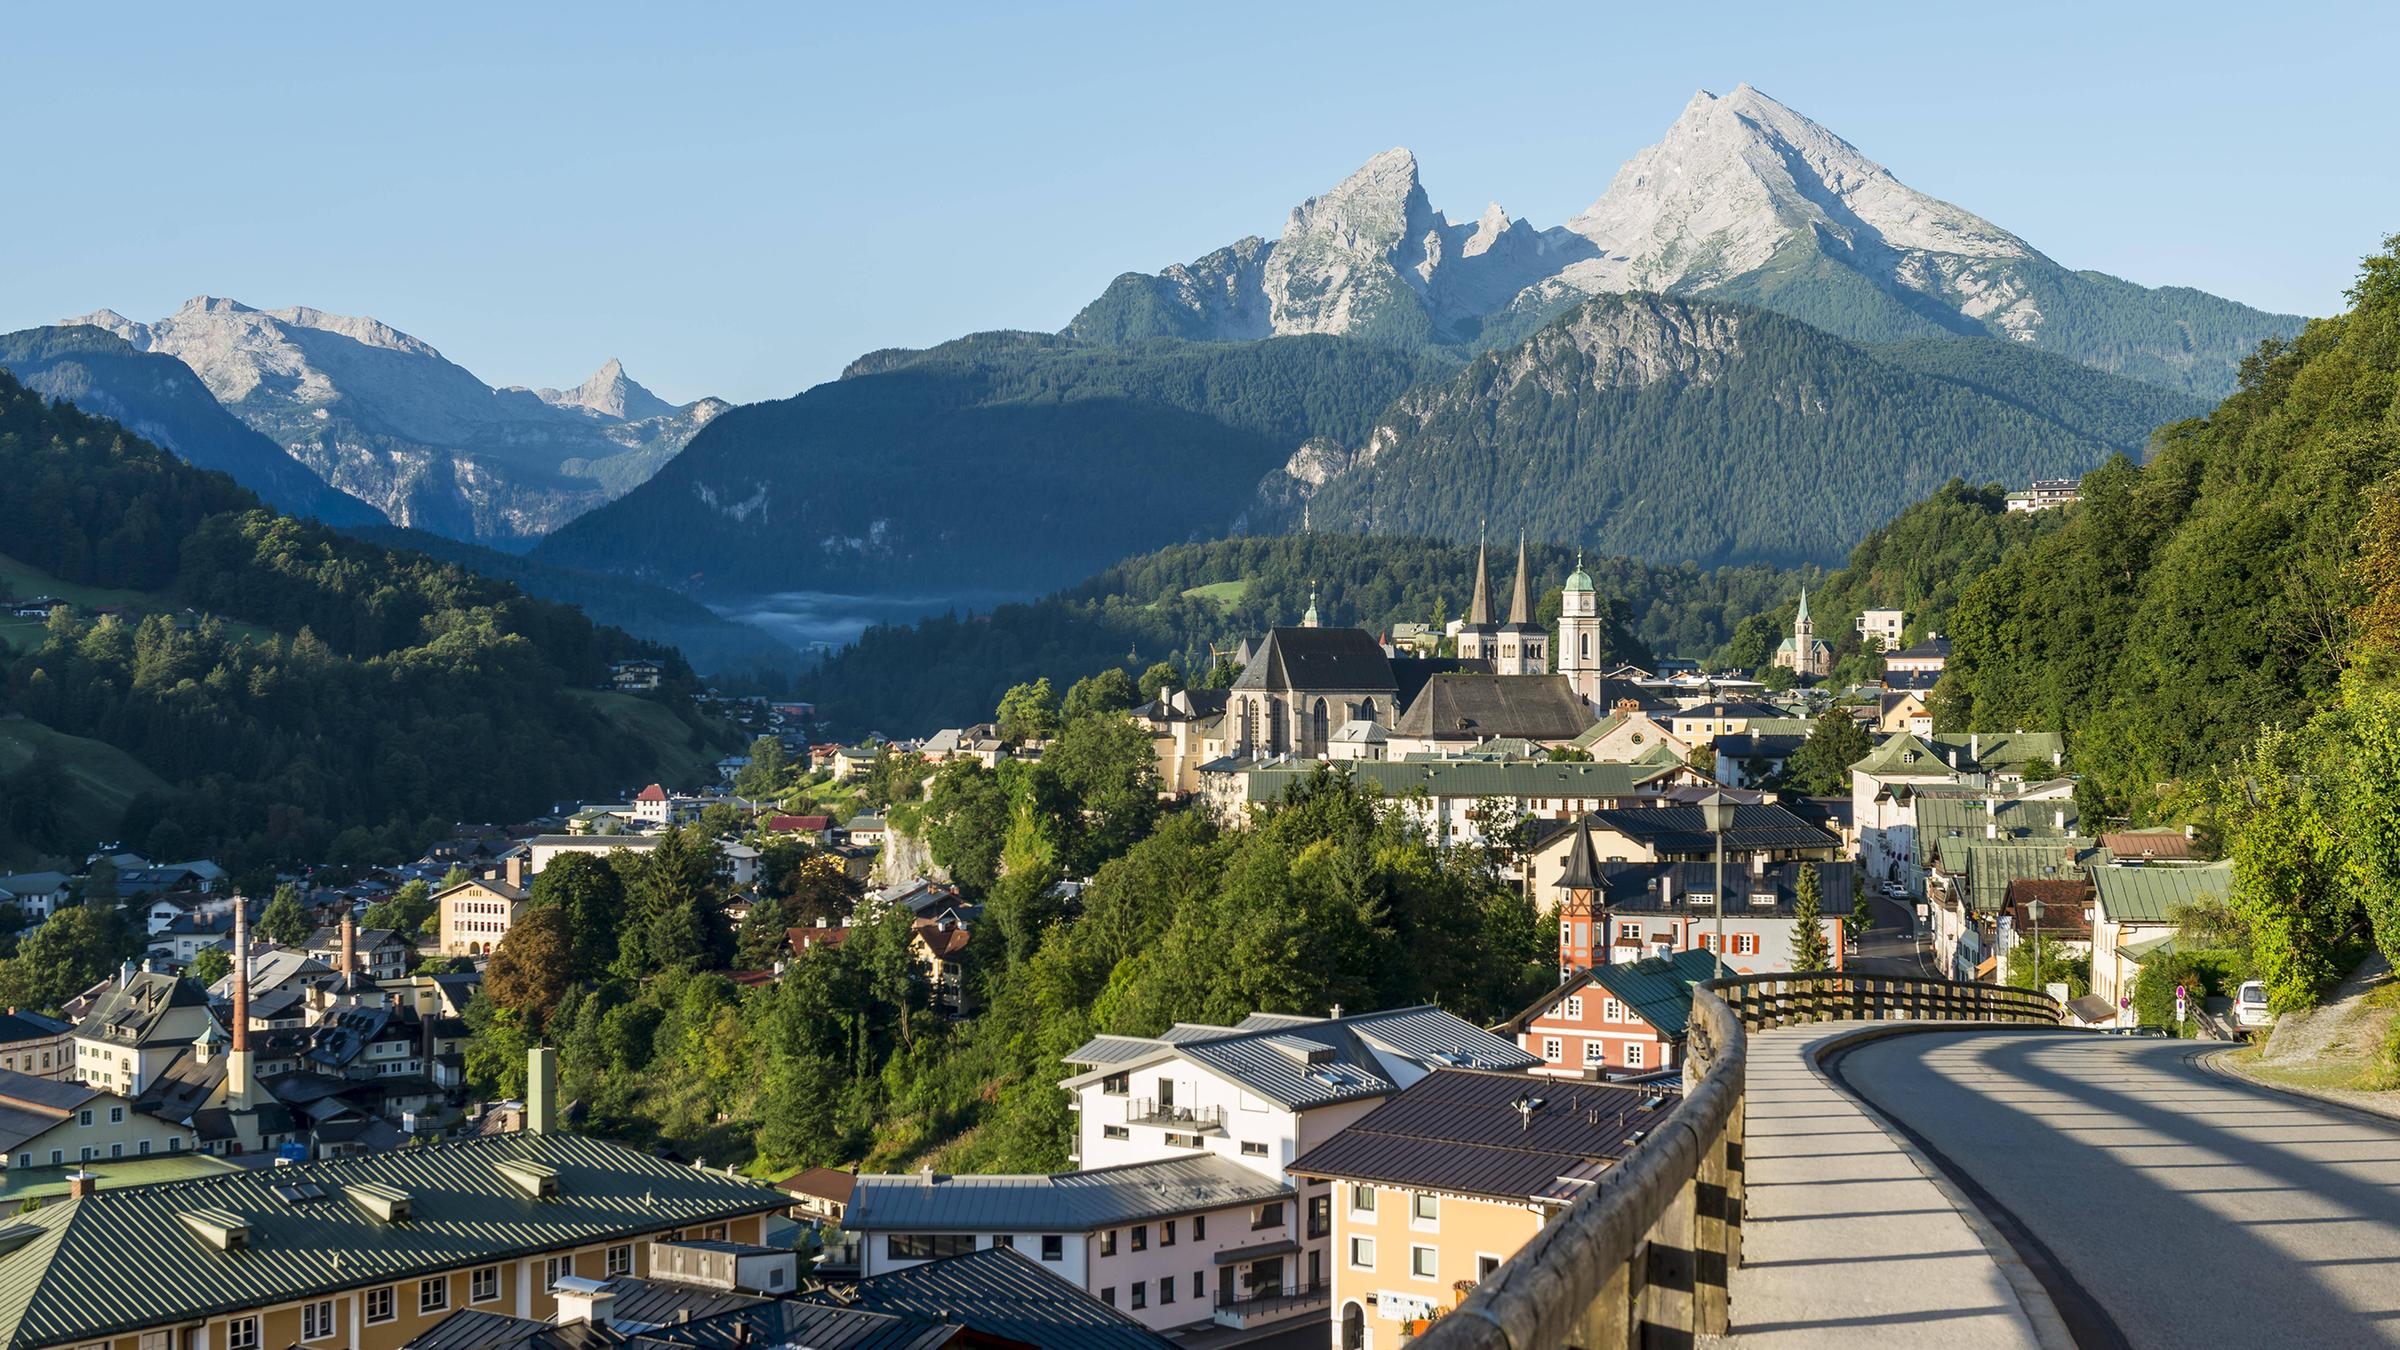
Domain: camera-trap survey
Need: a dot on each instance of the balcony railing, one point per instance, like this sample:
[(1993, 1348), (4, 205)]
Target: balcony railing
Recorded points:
[(1258, 1309), (1647, 1255), (1148, 1111)]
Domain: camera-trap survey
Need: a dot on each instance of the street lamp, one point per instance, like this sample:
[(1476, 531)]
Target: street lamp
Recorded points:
[(2033, 911), (1716, 812)]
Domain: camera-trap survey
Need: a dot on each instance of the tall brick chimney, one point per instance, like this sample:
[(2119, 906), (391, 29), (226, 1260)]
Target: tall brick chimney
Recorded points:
[(349, 946), (238, 1084)]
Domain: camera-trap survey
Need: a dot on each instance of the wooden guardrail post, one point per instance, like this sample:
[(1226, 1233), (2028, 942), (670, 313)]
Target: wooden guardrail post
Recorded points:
[(1667, 1291)]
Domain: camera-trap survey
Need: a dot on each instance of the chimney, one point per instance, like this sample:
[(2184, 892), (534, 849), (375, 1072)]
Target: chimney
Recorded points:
[(1758, 862), (584, 1300), (2058, 820), (541, 1090), (349, 945), (1991, 817), (81, 1183), (514, 870), (1975, 746)]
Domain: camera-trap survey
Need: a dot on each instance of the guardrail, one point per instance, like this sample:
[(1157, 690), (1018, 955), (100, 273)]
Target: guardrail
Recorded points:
[(1647, 1256)]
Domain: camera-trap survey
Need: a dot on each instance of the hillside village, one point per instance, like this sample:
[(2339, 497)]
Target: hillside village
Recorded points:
[(1225, 1181)]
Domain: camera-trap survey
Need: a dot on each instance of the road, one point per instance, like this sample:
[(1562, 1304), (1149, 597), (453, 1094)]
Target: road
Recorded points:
[(2164, 1204), (1891, 947)]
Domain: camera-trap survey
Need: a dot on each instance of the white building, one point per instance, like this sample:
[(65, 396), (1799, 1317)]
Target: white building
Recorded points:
[(1882, 627)]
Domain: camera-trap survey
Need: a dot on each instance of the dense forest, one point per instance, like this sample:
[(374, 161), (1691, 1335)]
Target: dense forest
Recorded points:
[(1182, 604), (2219, 632), (305, 694), (1671, 430), (999, 462)]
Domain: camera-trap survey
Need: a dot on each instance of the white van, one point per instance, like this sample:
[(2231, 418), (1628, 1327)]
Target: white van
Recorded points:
[(2250, 1006)]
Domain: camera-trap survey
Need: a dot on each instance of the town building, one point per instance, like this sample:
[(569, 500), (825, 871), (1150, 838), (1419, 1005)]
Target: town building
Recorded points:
[(1187, 730), (46, 1122), (1632, 734), (1927, 658), (474, 915), (376, 953), (34, 895), (1880, 629), (1804, 653), (140, 1023), (2136, 909), (2045, 494), (1452, 807), (1518, 647), (1582, 646), (33, 1044), (1439, 1186), (1623, 1019), (544, 849), (1459, 710), (820, 1194), (652, 806)]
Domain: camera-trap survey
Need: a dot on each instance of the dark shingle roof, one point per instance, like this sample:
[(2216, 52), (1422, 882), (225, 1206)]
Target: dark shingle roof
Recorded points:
[(1301, 659), (1535, 707), (1001, 1292), (1060, 1202), (1635, 888), (1682, 829), (1474, 1133)]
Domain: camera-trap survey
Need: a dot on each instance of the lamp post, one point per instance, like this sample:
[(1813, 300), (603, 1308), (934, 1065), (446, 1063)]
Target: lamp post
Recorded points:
[(2033, 911), (1716, 812)]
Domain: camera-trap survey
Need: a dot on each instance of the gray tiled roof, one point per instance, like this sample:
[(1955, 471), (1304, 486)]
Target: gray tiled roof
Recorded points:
[(1536, 707), (1335, 660), (1482, 1134), (1004, 1293), (1061, 1202), (1270, 1054)]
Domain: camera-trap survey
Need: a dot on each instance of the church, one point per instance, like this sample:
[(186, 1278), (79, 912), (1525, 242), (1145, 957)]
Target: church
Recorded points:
[(1804, 653)]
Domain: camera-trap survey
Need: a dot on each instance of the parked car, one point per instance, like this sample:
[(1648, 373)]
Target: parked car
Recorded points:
[(2250, 1006)]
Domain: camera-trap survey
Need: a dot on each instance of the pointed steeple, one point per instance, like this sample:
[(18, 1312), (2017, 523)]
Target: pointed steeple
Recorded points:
[(1582, 870), (1803, 617), (1520, 603), (1479, 602)]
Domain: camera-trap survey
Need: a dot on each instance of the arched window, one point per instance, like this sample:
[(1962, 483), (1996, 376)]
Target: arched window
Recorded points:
[(1276, 731), (1317, 725), (1583, 645), (1366, 710), (1354, 1327)]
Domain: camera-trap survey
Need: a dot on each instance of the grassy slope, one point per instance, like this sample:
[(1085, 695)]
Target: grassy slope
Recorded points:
[(24, 581), (642, 719), (100, 780)]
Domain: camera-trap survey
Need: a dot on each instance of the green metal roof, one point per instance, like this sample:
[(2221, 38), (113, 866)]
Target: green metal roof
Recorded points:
[(1473, 778), (1990, 865), (2004, 749), (1941, 816), (2154, 894), (1592, 734), (1659, 987), (121, 1260), (1892, 759), (19, 1184)]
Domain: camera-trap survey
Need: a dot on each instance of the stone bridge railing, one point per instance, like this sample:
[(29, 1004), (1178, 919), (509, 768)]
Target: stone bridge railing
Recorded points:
[(1646, 1257)]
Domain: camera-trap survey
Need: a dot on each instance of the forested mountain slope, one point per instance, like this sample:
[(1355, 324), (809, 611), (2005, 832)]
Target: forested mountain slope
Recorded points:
[(339, 700)]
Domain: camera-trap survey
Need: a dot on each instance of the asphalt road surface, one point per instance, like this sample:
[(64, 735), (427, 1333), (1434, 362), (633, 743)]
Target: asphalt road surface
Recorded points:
[(1891, 947), (2163, 1203)]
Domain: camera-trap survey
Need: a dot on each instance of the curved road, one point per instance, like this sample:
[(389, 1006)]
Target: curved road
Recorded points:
[(2191, 1208)]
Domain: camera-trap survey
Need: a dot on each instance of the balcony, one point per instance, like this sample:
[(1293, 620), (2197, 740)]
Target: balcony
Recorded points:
[(1149, 1111), (1264, 1307)]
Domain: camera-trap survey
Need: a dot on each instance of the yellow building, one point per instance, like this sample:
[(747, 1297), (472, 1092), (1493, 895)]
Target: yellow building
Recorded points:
[(475, 915), (361, 1253), (1438, 1186)]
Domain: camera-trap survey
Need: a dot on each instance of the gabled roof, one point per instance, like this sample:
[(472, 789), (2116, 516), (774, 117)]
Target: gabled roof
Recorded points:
[(2155, 894), (2158, 845), (1059, 1202), (1664, 888), (1929, 648), (1906, 755), (1481, 707), (1474, 778), (1504, 1135), (1300, 660), (72, 1281), (136, 1012), (1682, 829), (1658, 988), (1003, 1293), (1304, 1062), (1991, 750)]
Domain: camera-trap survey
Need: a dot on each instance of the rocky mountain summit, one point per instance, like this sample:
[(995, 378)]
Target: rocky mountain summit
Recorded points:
[(1744, 199), (386, 418)]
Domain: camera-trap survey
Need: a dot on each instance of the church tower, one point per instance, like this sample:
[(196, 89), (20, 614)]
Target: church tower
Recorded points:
[(1524, 644), (1802, 653), (1479, 637), (1579, 645), (1582, 912)]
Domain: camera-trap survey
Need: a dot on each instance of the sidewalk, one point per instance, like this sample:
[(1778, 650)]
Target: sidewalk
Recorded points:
[(1849, 1241)]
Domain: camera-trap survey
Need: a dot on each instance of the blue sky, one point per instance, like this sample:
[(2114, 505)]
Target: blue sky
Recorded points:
[(736, 199)]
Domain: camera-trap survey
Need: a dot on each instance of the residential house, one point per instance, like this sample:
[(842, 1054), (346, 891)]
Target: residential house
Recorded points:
[(1626, 1019), (1703, 723), (2045, 494), (651, 806), (1926, 658), (2058, 911), (474, 915), (2165, 847), (1756, 756), (1903, 710), (866, 831), (1166, 1242), (1187, 730), (820, 1194), (139, 1024), (817, 829), (2134, 906), (47, 1122), (1360, 742), (1439, 1186), (1629, 734), (1880, 629), (940, 948), (543, 849), (637, 676), (1760, 832), (1639, 910), (34, 895), (854, 761), (376, 953), (999, 1296), (367, 1252), (30, 1043), (1886, 785)]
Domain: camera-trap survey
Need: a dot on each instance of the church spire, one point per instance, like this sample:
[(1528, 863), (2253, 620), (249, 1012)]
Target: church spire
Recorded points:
[(1802, 619), (1520, 606), (1479, 604)]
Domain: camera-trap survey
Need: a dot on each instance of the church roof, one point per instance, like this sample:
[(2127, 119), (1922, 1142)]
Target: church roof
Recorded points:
[(1479, 604), (1330, 659), (1520, 603), (1536, 707), (1579, 580)]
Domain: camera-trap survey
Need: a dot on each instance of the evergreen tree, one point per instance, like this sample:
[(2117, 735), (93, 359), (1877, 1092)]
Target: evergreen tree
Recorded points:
[(1821, 766), (285, 920), (1809, 948)]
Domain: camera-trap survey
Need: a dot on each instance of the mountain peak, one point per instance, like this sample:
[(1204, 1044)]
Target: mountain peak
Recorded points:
[(609, 393)]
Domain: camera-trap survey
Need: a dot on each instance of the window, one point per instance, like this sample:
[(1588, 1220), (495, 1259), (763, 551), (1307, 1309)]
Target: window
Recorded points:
[(1108, 1243), (1054, 1247), (927, 1246), (1166, 1233), (620, 1259), (1109, 1296), (382, 1305), (144, 1148), (1571, 1008), (1630, 931), (1595, 1052), (116, 1115), (1199, 1227), (84, 1117), (1424, 1209), (1553, 1049), (1270, 1215), (1485, 1265), (1141, 1237), (1115, 1085), (1253, 1149), (1166, 1289), (1141, 1296), (1745, 944), (554, 1269), (1362, 1199), (1362, 1253), (241, 1333), (1633, 1054), (316, 1320), (1199, 1286), (484, 1285), (1115, 1132), (1008, 1240), (1612, 1011), (116, 1150), (1320, 1215), (1175, 1140), (433, 1295), (1421, 1263)]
